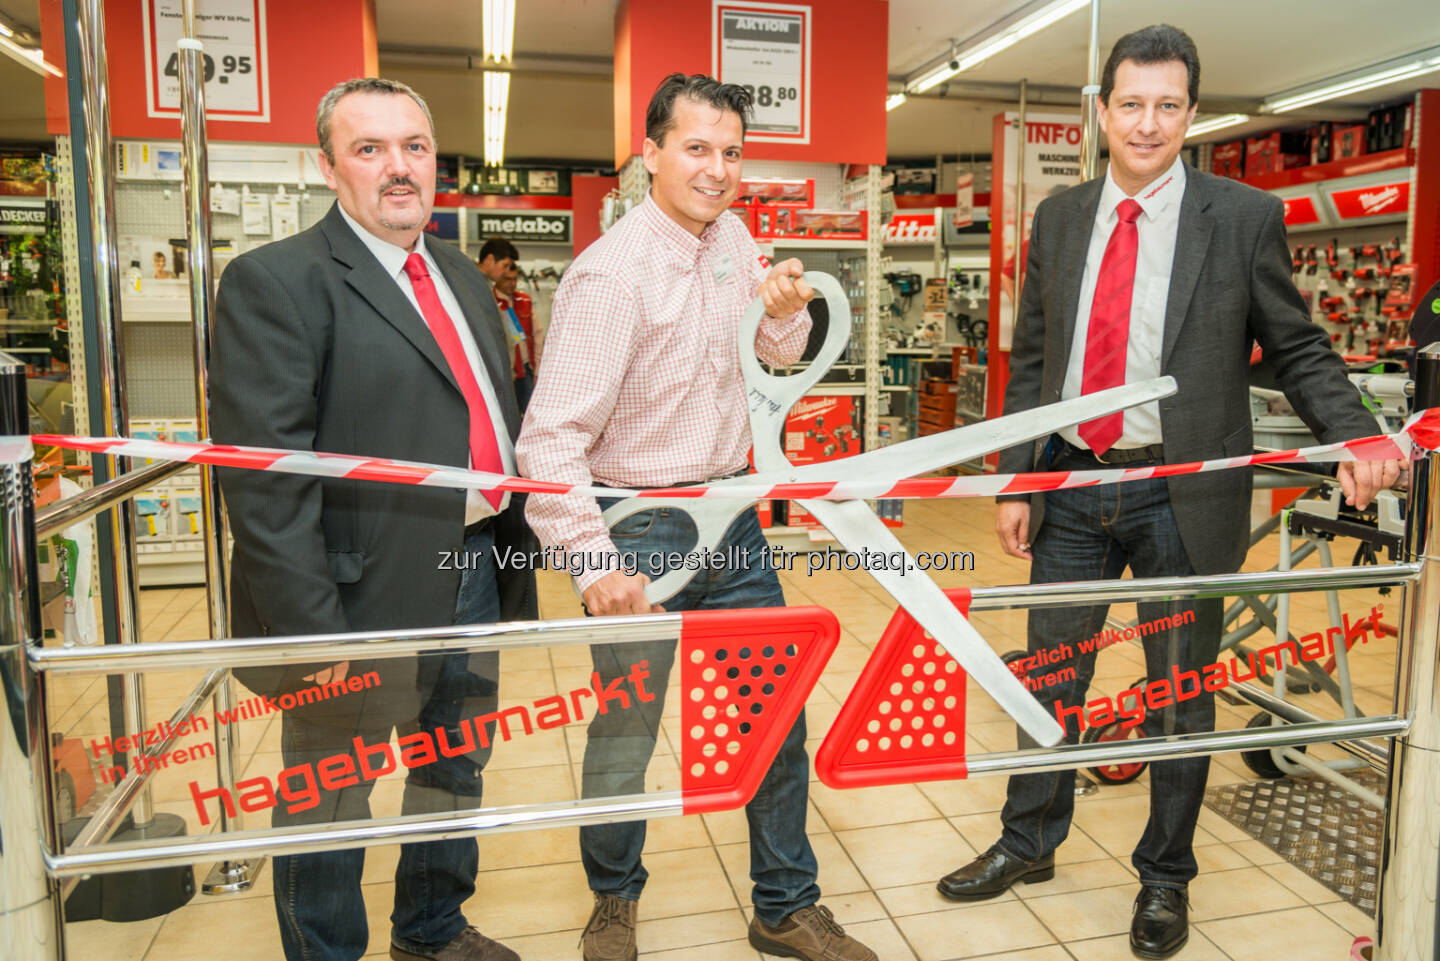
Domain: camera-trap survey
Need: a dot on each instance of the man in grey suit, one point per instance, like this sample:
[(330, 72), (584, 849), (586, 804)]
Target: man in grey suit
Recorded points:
[(358, 337), (1153, 269)]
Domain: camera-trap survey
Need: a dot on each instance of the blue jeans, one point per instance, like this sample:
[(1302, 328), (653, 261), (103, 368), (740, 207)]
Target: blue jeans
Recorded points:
[(1093, 533), (317, 896), (620, 743)]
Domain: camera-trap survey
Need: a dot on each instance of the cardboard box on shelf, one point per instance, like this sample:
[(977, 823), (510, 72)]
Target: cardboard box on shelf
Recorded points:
[(820, 428), (777, 191), (829, 224), (1321, 144), (1348, 142), (1228, 160)]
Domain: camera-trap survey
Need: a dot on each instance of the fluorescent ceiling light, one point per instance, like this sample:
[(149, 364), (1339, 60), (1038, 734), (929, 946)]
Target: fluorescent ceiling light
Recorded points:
[(497, 96), (894, 100), (29, 57), (978, 53), (498, 42), (1216, 123), (5, 31), (1426, 61)]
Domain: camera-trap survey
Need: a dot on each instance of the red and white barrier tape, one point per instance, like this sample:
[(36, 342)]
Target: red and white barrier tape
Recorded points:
[(1421, 431)]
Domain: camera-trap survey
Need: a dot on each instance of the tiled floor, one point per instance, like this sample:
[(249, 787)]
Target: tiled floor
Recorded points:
[(880, 849)]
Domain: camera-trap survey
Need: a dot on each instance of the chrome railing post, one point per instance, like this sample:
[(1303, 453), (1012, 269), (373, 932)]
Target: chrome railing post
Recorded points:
[(108, 359), (1406, 922), (31, 925), (226, 876)]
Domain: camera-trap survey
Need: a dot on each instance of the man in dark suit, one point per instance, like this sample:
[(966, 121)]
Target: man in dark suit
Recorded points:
[(356, 336), (1153, 269)]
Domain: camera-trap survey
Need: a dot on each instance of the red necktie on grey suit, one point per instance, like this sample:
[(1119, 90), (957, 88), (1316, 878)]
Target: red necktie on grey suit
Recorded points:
[(1109, 331), (484, 448)]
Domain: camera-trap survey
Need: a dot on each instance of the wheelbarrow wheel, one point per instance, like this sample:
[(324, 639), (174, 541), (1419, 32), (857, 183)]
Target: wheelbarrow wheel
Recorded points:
[(1117, 772), (1260, 761)]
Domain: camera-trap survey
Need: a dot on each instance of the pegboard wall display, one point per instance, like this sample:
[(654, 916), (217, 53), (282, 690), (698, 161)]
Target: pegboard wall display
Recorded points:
[(155, 310)]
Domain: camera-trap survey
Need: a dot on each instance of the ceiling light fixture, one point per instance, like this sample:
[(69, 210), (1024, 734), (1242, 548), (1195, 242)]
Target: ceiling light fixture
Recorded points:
[(1216, 123), (499, 31), (5, 30), (894, 100), (497, 96), (1042, 16), (29, 57), (1401, 68)]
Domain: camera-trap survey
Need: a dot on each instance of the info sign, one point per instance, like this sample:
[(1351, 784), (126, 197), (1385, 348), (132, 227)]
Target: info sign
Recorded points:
[(236, 61), (765, 47)]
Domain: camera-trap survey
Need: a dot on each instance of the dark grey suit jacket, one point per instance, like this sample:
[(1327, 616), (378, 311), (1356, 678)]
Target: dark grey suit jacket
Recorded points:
[(315, 348), (1230, 285)]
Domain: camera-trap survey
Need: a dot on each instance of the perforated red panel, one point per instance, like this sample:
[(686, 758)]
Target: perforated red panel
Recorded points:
[(744, 678), (904, 720)]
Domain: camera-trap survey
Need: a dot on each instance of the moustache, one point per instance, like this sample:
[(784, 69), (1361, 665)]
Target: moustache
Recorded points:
[(399, 182)]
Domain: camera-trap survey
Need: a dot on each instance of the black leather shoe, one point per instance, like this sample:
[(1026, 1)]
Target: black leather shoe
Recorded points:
[(991, 874), (1161, 925)]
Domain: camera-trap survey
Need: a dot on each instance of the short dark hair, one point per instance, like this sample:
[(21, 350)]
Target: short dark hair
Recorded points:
[(360, 85), (1160, 43), (499, 248), (660, 115)]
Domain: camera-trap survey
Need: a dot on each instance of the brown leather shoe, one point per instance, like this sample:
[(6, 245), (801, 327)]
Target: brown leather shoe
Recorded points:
[(609, 935), (810, 933), (469, 945)]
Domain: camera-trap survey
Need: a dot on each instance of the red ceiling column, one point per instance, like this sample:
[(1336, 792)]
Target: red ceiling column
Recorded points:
[(293, 53), (847, 43), (1424, 241)]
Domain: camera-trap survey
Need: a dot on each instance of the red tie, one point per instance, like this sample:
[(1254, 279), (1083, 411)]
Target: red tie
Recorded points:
[(1109, 331), (484, 449)]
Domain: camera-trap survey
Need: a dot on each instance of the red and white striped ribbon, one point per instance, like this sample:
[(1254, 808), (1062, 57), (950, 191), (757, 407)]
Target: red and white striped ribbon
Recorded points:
[(1421, 431)]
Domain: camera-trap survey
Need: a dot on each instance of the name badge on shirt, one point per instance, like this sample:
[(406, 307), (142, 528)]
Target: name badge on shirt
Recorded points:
[(724, 267)]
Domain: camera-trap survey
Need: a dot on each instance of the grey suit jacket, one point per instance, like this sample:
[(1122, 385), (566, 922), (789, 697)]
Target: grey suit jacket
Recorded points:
[(1229, 285), (317, 349)]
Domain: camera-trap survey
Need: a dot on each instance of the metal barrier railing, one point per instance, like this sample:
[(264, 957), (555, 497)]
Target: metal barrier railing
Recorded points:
[(31, 666), (31, 875)]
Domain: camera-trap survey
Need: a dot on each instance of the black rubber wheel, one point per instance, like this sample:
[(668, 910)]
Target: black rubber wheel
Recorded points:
[(1116, 773), (1260, 761), (1011, 657), (65, 797)]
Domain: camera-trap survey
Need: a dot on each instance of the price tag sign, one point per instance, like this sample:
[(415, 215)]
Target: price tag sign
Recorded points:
[(765, 47), (236, 64)]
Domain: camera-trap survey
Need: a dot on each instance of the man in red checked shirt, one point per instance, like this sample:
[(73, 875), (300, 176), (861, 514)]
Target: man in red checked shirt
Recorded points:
[(642, 388)]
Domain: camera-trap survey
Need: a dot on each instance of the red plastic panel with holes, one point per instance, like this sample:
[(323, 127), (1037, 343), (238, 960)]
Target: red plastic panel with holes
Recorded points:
[(904, 720), (744, 679)]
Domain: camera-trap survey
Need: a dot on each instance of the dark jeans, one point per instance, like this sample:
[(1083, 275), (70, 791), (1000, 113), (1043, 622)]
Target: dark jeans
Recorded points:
[(317, 896), (620, 743), (524, 387), (1093, 533)]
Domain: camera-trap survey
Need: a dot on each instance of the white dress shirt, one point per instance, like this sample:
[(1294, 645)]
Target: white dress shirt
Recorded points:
[(392, 259), (1158, 224)]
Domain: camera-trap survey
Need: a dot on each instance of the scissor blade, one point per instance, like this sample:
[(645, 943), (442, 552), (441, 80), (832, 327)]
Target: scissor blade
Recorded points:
[(923, 454), (853, 523)]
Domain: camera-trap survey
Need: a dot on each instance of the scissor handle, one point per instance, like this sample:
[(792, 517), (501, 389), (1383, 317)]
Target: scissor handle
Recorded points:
[(770, 396)]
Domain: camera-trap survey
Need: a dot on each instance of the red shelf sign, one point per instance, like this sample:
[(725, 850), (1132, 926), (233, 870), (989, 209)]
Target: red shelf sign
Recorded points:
[(1300, 211), (1360, 202)]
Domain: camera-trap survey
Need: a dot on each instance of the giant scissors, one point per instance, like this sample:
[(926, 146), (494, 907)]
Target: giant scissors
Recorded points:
[(852, 522)]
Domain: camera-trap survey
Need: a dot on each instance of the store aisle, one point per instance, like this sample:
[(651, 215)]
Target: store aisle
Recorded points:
[(880, 850)]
